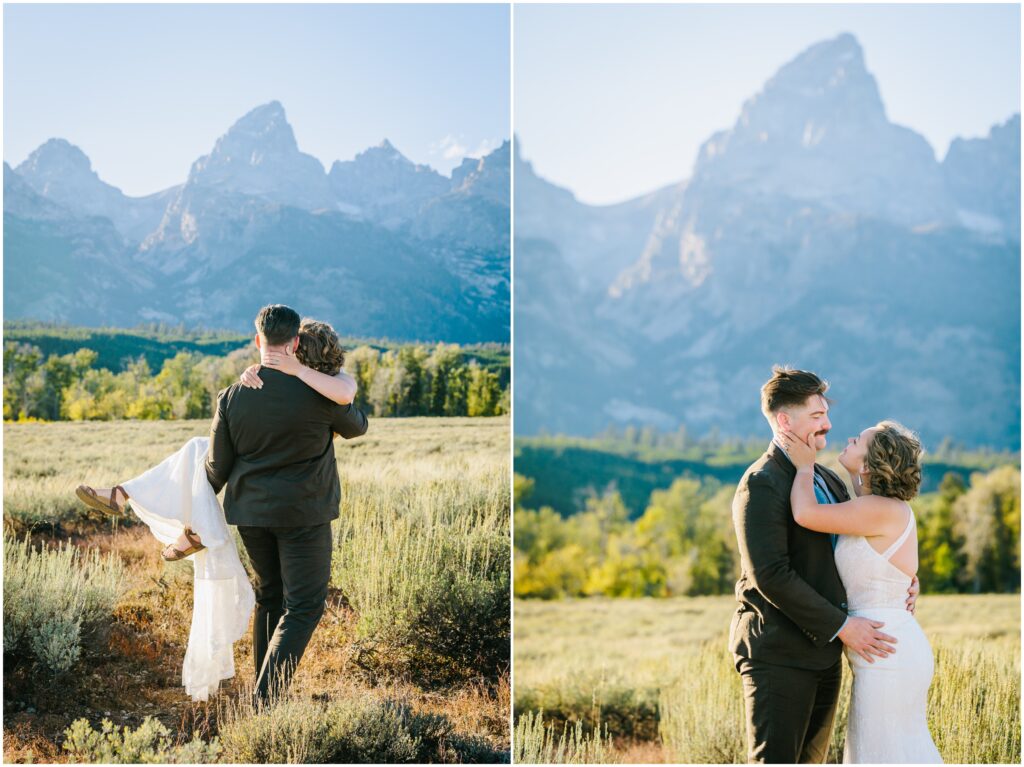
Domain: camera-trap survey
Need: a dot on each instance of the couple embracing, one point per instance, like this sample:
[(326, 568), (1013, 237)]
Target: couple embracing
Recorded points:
[(821, 572), (271, 446)]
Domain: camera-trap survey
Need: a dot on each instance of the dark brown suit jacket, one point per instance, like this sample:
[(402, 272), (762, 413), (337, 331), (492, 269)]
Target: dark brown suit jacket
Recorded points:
[(274, 450), (791, 600)]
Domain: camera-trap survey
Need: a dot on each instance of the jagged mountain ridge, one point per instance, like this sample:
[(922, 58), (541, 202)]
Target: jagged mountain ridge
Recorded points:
[(868, 271), (256, 220)]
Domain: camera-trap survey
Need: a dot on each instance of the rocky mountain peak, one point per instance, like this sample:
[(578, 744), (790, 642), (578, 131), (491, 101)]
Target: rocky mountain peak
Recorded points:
[(259, 157), (488, 175), (262, 132), (382, 155), (56, 156), (818, 131)]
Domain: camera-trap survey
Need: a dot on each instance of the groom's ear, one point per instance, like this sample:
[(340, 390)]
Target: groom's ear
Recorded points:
[(257, 338), (782, 419)]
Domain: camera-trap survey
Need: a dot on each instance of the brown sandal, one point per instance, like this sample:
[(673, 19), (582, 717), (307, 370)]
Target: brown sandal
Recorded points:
[(89, 497), (195, 544)]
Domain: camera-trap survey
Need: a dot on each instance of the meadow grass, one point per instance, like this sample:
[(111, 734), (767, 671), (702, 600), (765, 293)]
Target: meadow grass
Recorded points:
[(55, 600), (424, 500), (423, 559), (659, 670), (540, 742)]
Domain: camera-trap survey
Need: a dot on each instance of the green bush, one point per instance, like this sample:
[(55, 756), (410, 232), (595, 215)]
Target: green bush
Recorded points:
[(151, 743), (702, 718), (593, 700), (56, 600), (352, 730), (535, 742), (425, 566)]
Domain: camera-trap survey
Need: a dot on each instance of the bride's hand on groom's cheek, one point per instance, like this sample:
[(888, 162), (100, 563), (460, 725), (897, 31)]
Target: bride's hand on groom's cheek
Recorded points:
[(800, 453)]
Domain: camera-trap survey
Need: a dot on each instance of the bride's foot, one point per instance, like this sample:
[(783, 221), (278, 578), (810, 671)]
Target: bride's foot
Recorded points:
[(108, 500), (188, 543)]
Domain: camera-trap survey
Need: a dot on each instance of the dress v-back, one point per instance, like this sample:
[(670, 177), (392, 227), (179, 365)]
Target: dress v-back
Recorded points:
[(888, 709)]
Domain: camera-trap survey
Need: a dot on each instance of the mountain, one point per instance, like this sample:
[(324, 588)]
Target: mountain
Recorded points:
[(78, 264), (383, 185), (818, 132), (61, 172), (983, 177), (813, 232), (374, 246)]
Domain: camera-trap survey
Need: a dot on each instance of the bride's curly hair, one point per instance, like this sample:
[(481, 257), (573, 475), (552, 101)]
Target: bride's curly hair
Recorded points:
[(894, 461), (319, 347)]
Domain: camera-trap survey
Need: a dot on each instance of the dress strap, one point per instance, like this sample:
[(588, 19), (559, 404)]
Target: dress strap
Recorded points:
[(903, 536)]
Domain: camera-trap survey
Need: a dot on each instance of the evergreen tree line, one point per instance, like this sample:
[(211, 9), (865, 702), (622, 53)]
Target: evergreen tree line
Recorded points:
[(684, 544), (408, 380)]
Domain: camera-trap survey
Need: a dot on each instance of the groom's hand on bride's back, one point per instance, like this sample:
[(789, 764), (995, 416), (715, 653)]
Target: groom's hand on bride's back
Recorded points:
[(912, 593), (862, 635)]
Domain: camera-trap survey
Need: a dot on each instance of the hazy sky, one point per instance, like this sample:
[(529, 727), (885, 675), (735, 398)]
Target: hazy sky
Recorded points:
[(145, 90), (615, 101)]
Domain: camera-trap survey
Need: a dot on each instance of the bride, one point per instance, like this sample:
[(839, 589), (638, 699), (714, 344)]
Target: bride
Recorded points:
[(876, 556), (178, 504)]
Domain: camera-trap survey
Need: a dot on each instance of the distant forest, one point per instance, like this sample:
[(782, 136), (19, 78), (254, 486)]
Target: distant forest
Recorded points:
[(633, 513), (56, 372), (566, 471)]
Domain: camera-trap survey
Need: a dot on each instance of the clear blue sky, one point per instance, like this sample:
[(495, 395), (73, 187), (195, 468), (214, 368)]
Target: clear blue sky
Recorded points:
[(144, 90), (613, 101)]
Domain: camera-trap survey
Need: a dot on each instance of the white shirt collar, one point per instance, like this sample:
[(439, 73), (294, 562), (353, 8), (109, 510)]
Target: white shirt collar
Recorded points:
[(775, 441)]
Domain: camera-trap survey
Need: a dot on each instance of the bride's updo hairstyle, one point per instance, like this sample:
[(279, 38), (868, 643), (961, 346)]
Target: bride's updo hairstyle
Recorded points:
[(893, 461), (319, 347)]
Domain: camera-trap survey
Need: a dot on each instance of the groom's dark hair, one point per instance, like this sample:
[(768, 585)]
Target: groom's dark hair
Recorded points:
[(789, 387), (278, 323)]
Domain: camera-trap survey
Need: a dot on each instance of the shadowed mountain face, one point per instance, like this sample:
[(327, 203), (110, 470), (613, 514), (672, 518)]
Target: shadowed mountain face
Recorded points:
[(815, 233), (379, 247)]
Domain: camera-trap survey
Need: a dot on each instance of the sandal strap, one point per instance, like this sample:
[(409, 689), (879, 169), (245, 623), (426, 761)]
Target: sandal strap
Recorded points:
[(192, 537)]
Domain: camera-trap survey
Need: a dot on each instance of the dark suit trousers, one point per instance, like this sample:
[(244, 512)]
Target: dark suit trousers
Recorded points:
[(292, 566), (790, 711)]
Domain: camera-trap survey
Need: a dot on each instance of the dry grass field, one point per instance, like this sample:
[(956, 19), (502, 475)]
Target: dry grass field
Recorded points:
[(423, 537), (655, 676)]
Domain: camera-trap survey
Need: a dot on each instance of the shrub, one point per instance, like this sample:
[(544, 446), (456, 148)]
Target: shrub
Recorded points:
[(149, 744), (351, 730), (627, 710), (425, 566), (702, 717), (55, 600), (535, 742)]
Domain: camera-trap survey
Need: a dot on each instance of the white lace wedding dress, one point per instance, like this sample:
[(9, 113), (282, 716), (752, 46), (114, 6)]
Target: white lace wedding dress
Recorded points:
[(888, 709), (168, 497)]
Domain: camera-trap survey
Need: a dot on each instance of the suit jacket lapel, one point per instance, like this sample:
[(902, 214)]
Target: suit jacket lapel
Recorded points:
[(833, 482)]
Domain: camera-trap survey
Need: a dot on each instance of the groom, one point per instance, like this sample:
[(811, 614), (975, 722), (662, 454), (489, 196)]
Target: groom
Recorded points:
[(788, 631), (273, 448)]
